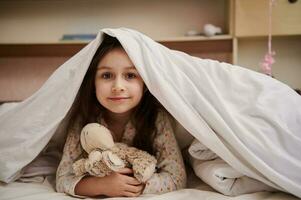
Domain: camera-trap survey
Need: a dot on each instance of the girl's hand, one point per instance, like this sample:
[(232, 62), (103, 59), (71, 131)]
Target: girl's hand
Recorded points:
[(121, 184)]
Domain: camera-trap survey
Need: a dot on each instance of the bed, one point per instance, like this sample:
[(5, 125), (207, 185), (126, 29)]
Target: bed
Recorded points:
[(43, 187), (196, 190)]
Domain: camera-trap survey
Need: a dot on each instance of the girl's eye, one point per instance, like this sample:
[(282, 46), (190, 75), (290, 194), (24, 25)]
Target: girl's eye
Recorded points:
[(131, 75), (106, 75)]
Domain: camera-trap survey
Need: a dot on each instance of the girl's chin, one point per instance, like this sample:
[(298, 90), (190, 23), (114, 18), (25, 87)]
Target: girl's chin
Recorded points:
[(121, 111)]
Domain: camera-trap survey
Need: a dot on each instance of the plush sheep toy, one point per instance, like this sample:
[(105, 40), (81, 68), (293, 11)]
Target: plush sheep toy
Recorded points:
[(105, 156)]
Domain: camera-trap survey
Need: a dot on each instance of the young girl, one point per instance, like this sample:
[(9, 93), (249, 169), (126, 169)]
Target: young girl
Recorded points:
[(114, 95)]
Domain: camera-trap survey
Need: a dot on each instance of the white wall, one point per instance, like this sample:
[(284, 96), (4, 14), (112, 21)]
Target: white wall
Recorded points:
[(29, 21), (45, 21), (287, 67)]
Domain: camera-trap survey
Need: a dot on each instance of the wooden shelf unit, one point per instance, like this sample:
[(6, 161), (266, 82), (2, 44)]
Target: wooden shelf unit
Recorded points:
[(29, 55)]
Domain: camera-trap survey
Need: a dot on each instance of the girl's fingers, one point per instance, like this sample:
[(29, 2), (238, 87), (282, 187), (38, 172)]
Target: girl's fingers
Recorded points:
[(134, 188), (131, 194), (132, 181), (125, 171)]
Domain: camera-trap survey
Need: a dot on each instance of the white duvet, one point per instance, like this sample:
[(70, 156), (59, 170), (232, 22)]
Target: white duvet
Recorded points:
[(220, 175), (251, 121)]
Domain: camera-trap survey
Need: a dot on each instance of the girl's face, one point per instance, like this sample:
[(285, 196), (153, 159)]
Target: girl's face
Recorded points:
[(119, 88)]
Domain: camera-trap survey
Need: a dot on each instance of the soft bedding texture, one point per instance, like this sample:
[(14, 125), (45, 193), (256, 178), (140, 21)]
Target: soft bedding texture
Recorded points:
[(220, 175), (45, 191), (250, 120)]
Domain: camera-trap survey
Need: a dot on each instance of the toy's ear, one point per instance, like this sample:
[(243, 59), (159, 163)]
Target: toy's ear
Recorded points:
[(83, 140), (95, 136)]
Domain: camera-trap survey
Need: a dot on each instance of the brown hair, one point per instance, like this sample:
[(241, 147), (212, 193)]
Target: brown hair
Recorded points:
[(86, 107)]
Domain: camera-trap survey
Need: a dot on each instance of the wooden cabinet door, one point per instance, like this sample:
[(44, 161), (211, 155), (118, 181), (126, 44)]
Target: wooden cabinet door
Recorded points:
[(251, 18)]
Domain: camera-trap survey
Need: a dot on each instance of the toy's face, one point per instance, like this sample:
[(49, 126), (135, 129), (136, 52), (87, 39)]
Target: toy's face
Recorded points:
[(96, 136)]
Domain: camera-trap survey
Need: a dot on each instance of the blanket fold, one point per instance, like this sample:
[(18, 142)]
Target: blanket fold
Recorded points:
[(248, 119), (219, 175)]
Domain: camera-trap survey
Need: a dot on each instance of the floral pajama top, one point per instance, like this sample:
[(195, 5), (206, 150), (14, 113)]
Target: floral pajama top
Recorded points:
[(170, 176)]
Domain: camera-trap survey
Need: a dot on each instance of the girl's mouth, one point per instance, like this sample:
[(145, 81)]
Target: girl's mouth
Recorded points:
[(118, 98)]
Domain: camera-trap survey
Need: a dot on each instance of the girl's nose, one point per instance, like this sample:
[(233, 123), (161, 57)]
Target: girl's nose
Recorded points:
[(117, 89), (118, 86)]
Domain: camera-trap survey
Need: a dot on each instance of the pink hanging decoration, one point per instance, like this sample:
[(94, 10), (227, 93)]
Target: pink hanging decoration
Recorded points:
[(266, 65), (268, 60)]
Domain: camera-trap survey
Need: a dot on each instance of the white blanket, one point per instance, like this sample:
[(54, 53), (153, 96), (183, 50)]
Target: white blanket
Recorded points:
[(220, 175), (250, 120)]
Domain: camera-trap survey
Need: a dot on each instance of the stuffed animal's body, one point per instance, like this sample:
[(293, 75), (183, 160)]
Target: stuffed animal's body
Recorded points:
[(105, 156)]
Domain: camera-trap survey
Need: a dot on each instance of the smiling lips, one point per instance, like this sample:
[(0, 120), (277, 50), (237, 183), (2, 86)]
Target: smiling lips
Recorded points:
[(118, 98)]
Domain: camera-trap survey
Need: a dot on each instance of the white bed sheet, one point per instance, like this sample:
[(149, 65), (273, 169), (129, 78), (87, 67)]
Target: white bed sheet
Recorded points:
[(34, 191), (197, 190)]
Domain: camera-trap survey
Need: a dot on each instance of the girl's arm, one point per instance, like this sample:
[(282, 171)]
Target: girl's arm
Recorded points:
[(172, 174), (116, 184), (65, 179)]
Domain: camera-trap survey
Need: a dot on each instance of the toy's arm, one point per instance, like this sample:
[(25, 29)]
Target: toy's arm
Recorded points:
[(171, 170), (144, 164), (112, 161), (95, 165)]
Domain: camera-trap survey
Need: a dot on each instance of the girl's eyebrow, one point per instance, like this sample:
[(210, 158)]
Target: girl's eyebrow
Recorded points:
[(103, 67), (107, 67)]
